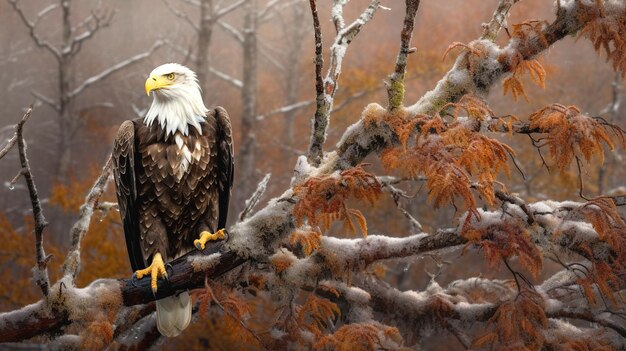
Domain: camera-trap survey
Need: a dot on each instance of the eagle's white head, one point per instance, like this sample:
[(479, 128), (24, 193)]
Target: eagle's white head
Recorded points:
[(177, 102)]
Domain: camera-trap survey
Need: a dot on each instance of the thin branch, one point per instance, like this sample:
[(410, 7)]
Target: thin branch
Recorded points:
[(181, 15), (395, 85), (318, 134), (107, 72), (48, 101), (225, 77), (285, 109), (255, 198), (41, 269), (498, 20), (99, 23), (31, 28), (228, 9), (234, 32)]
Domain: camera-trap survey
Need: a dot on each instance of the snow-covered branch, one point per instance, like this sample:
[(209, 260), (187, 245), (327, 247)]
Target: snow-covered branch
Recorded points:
[(488, 70)]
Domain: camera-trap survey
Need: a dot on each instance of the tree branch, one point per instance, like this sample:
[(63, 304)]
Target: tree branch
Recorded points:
[(325, 89), (107, 72), (395, 85), (31, 28), (72, 261), (40, 271)]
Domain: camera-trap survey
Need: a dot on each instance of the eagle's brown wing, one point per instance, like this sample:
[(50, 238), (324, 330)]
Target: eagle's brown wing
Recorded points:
[(126, 187), (226, 162)]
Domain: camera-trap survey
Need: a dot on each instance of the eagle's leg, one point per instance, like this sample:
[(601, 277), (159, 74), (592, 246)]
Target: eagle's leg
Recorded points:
[(156, 270), (207, 236)]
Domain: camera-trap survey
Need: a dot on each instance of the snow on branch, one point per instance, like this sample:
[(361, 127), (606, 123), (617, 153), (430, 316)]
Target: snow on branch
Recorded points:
[(72, 261), (285, 109), (498, 20), (494, 62), (119, 66)]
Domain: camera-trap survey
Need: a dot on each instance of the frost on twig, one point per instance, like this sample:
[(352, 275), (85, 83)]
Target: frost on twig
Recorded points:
[(72, 261), (255, 197)]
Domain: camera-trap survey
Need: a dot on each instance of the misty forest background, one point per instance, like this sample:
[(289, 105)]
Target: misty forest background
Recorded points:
[(255, 60)]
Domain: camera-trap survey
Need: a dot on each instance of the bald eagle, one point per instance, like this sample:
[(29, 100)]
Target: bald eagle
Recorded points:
[(173, 173)]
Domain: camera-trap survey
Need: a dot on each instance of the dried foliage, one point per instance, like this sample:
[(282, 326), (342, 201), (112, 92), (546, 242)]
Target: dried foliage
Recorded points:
[(570, 133), (516, 325), (520, 66), (322, 200), (607, 33), (476, 53), (524, 32), (504, 240), (308, 238), (455, 157), (359, 337), (610, 227)]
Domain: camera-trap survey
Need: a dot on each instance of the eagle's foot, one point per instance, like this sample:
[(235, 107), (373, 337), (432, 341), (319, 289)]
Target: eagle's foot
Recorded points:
[(156, 270), (207, 236)]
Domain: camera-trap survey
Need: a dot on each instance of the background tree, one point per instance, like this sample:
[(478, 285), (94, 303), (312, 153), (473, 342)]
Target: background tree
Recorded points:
[(73, 37), (289, 276)]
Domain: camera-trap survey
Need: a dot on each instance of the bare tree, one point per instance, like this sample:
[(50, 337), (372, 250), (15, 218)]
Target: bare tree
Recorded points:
[(441, 139), (73, 36)]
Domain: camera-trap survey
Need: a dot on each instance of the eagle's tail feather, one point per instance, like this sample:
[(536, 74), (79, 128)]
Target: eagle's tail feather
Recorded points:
[(173, 314)]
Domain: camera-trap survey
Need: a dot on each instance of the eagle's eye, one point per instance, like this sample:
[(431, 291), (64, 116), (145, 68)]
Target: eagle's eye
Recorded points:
[(171, 76)]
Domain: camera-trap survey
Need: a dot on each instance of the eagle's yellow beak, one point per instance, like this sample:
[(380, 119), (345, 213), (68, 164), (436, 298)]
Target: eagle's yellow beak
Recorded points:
[(155, 83)]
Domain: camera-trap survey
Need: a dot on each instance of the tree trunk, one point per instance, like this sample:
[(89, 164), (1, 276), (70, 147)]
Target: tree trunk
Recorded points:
[(205, 33), (246, 171), (65, 117), (295, 36)]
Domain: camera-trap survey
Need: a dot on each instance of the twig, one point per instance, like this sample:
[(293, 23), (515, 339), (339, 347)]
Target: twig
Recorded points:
[(498, 20), (395, 85), (255, 198), (72, 261), (396, 194)]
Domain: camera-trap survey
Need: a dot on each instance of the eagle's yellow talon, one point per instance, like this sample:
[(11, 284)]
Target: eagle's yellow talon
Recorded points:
[(207, 236), (156, 270)]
